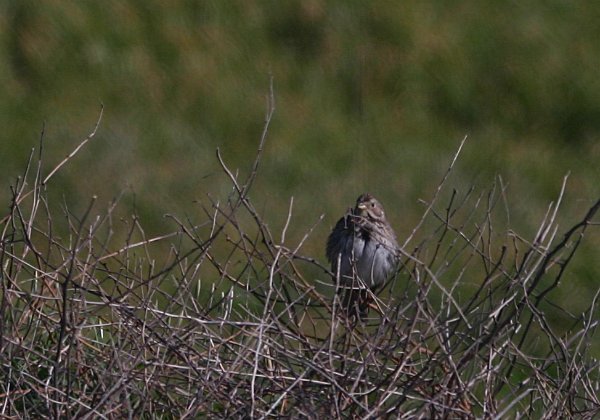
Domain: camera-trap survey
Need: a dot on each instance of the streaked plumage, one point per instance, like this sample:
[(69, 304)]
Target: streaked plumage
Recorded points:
[(363, 251)]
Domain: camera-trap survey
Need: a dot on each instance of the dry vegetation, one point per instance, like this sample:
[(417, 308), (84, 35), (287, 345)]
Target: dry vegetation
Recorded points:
[(234, 322)]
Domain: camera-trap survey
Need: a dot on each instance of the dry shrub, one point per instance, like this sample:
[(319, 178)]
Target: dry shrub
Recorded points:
[(236, 322)]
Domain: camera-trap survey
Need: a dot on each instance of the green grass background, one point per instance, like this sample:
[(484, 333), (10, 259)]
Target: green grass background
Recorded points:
[(370, 96)]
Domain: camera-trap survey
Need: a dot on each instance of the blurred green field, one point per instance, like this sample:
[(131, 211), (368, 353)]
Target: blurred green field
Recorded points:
[(370, 96)]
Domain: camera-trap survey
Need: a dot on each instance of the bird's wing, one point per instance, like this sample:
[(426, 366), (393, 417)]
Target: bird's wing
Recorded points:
[(338, 238)]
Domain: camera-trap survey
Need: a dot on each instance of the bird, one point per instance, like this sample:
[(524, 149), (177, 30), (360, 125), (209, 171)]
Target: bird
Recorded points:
[(363, 251)]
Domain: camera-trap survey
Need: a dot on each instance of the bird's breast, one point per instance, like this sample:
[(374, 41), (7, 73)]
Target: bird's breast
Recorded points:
[(373, 262)]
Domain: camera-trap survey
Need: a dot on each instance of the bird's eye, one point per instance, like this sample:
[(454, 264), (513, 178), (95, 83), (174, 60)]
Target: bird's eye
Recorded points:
[(372, 204)]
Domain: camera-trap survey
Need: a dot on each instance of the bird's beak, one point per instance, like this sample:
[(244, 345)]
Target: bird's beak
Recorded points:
[(362, 208)]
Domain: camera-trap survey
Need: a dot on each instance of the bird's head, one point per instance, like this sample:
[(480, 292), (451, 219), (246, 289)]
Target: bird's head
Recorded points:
[(368, 207)]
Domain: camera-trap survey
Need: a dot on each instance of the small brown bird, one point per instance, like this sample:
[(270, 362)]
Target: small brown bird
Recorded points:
[(363, 252)]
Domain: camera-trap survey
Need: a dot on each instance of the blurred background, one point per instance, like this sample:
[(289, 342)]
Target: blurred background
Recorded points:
[(370, 96)]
